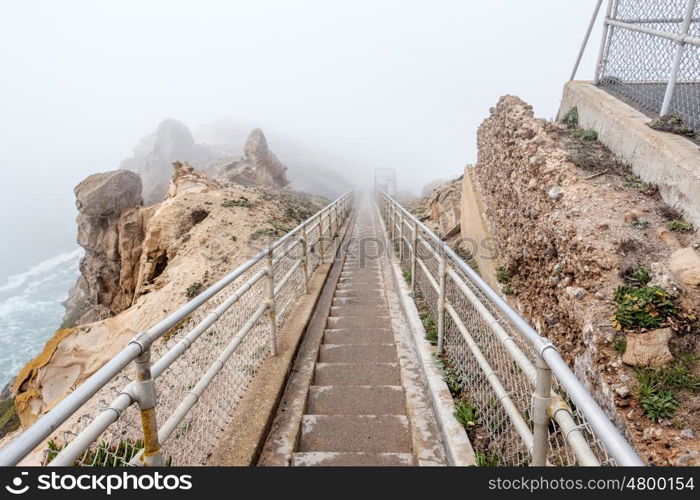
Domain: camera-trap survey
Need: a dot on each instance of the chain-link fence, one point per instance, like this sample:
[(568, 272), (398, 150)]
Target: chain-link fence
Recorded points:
[(205, 355), (650, 56), (490, 356)]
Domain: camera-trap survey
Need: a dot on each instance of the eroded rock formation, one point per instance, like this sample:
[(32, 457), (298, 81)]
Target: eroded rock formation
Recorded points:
[(258, 166), (110, 229)]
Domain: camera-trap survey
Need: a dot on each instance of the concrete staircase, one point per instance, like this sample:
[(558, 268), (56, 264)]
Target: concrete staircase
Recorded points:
[(355, 410)]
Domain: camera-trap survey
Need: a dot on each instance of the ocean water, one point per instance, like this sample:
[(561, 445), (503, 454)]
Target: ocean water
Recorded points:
[(31, 309)]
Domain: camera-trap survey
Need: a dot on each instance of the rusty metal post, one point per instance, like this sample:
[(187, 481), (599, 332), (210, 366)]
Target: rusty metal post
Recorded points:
[(541, 401), (271, 302), (145, 395)]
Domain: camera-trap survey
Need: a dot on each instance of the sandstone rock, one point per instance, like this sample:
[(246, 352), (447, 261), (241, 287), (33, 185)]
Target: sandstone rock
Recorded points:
[(575, 292), (687, 433), (689, 459), (258, 166), (684, 264), (622, 391), (661, 276), (648, 349), (110, 229), (554, 193), (107, 194), (631, 216)]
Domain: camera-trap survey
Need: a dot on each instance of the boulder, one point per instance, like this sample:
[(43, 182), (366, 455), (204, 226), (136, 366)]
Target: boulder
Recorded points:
[(648, 349), (108, 193)]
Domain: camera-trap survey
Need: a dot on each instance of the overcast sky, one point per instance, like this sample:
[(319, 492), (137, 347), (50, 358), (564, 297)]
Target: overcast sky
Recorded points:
[(372, 83)]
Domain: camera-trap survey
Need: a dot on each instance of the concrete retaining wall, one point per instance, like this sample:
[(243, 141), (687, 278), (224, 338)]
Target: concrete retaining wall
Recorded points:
[(667, 160)]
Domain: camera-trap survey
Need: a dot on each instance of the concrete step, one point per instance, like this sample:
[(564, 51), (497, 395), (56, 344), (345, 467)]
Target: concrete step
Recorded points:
[(356, 400), (348, 459), (359, 322), (355, 433), (376, 294), (358, 336), (344, 353), (357, 374), (349, 310), (359, 285), (357, 301)]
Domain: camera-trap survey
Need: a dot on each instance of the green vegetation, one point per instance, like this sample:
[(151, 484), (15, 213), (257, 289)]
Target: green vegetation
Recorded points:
[(620, 343), (430, 326), (634, 181), (236, 202), (587, 134), (680, 226), (656, 386), (571, 118), (194, 289), (642, 307), (503, 277), (452, 378), (484, 460), (672, 123), (407, 276), (280, 229), (465, 413), (640, 224), (105, 454), (9, 421)]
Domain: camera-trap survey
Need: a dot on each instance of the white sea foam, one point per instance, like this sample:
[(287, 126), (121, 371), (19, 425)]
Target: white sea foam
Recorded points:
[(31, 309)]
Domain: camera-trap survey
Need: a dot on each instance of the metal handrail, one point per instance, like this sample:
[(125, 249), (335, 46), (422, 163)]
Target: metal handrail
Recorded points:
[(616, 445), (142, 390)]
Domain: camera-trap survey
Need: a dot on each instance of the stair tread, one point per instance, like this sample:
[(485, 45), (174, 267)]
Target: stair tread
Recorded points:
[(351, 459), (363, 433)]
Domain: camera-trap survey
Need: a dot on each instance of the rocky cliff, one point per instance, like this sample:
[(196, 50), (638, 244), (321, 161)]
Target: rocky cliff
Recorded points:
[(111, 223), (143, 262), (572, 225)]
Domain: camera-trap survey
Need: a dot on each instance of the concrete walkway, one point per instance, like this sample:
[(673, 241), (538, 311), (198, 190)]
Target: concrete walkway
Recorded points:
[(356, 394)]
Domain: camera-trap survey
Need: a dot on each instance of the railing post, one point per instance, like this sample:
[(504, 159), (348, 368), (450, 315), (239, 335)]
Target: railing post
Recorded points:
[(305, 257), (271, 302), (678, 58), (400, 237), (442, 271), (414, 256), (607, 29), (320, 237), (145, 391), (541, 401)]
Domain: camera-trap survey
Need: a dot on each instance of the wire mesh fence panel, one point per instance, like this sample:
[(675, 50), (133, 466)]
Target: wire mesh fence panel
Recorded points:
[(636, 65), (199, 389), (494, 435)]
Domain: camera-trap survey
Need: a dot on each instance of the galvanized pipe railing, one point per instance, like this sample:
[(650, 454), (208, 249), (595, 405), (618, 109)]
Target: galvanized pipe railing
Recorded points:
[(546, 403), (142, 390)]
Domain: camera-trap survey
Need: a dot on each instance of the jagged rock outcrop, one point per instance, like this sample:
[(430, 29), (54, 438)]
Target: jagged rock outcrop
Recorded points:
[(110, 229), (428, 188), (441, 209), (172, 141), (195, 236), (258, 166)]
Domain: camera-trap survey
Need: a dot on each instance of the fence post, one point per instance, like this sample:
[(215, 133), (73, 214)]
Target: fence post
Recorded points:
[(442, 271), (320, 237), (541, 401), (400, 237), (585, 39), (305, 257), (271, 302), (414, 256), (680, 48), (145, 391), (607, 29)]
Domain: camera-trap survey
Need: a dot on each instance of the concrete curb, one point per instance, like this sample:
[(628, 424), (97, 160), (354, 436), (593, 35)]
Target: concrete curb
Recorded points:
[(457, 445)]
